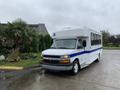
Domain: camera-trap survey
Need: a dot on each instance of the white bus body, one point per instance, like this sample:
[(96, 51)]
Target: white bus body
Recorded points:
[(72, 50)]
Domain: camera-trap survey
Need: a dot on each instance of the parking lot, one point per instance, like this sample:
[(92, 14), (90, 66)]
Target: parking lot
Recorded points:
[(104, 75)]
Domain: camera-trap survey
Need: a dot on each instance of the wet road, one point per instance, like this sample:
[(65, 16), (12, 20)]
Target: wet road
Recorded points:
[(104, 75)]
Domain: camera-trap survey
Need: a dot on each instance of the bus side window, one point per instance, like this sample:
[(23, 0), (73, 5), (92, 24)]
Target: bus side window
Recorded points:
[(79, 45)]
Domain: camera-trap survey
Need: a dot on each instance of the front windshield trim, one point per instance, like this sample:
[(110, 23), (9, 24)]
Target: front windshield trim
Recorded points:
[(55, 47)]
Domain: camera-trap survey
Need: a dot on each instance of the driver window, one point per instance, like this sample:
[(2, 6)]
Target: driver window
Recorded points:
[(79, 45)]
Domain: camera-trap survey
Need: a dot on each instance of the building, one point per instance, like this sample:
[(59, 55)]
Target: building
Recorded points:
[(38, 27)]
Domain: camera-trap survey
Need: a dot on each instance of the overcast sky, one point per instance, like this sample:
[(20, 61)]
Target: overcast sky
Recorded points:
[(59, 14)]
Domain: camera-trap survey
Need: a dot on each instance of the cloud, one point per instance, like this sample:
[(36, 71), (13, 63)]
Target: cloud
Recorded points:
[(96, 14)]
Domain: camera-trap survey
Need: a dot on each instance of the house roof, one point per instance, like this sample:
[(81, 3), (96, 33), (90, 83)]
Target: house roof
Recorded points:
[(40, 27)]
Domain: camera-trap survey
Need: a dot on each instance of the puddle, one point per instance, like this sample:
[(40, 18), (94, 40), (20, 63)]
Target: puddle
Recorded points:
[(26, 80), (2, 75), (5, 76), (98, 76)]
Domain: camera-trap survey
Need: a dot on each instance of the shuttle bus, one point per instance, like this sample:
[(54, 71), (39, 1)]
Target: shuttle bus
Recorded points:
[(73, 50)]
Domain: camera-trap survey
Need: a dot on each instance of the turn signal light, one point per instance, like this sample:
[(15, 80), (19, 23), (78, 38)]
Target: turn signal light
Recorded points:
[(64, 61)]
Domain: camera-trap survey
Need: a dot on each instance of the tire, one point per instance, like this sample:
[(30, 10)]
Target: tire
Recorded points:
[(75, 68), (98, 59)]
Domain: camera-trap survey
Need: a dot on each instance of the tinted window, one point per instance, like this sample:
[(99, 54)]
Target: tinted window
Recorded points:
[(95, 39), (79, 45)]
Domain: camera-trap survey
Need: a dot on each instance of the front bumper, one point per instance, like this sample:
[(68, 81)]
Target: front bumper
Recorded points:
[(57, 67)]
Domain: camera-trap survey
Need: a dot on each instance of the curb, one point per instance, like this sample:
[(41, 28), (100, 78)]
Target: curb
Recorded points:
[(13, 74), (17, 68), (11, 68), (35, 66)]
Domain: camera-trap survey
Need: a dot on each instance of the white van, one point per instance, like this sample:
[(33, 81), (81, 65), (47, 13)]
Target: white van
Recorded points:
[(72, 50)]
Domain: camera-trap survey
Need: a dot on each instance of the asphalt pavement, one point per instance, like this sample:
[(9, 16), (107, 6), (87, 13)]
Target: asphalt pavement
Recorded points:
[(104, 75)]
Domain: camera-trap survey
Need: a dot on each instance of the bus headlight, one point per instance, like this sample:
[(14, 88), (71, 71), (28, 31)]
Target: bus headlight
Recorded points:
[(65, 59)]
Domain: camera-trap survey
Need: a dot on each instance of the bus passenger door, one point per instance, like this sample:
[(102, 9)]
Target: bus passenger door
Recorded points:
[(86, 54), (80, 50)]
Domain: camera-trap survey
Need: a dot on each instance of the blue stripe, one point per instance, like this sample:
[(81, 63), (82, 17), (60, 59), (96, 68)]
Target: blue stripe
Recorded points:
[(84, 52)]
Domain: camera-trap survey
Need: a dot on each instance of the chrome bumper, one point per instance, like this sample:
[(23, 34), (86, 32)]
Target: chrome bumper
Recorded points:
[(57, 67)]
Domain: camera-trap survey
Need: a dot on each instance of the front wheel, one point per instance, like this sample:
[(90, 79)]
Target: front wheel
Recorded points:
[(75, 68), (98, 59)]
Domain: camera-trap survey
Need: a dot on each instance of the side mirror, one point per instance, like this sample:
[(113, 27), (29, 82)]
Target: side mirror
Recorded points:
[(84, 43)]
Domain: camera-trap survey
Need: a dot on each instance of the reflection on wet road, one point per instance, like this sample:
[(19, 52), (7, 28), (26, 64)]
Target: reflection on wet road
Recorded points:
[(98, 76)]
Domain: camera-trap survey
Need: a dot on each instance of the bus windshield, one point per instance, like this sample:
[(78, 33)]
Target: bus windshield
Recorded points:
[(64, 44)]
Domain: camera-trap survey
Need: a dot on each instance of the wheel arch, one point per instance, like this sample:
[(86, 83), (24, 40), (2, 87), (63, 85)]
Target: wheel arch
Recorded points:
[(77, 59)]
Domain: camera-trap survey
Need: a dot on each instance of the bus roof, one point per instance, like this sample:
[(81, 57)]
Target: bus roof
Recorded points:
[(74, 33)]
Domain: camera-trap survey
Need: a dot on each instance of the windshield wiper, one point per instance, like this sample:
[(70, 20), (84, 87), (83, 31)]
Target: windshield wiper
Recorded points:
[(53, 47), (62, 48)]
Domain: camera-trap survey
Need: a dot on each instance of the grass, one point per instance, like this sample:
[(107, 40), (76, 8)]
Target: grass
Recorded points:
[(115, 48), (23, 63)]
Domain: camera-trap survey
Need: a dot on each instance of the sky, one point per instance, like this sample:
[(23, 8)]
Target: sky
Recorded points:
[(64, 14)]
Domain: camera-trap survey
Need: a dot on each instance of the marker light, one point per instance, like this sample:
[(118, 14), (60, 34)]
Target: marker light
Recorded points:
[(64, 61)]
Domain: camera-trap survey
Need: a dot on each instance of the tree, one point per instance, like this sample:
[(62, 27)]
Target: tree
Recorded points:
[(17, 31), (105, 36), (48, 41), (18, 35)]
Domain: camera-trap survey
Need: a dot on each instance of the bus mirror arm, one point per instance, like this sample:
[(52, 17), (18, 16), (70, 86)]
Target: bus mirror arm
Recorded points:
[(84, 48)]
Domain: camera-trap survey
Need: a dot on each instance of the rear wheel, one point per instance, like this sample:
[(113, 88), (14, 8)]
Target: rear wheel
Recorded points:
[(75, 68)]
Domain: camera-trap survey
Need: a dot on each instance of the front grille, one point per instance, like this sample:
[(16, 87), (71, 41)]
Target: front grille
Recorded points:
[(51, 56), (51, 61)]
